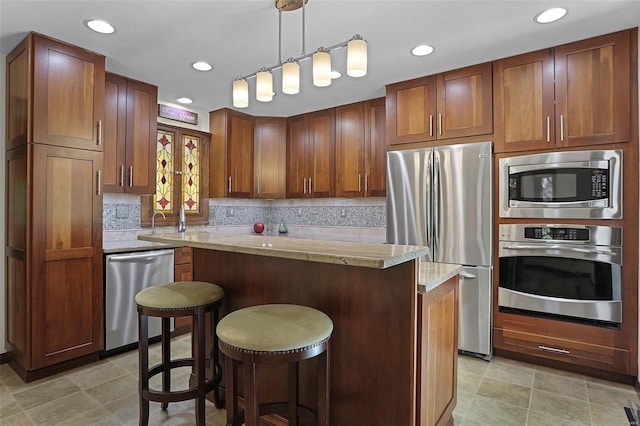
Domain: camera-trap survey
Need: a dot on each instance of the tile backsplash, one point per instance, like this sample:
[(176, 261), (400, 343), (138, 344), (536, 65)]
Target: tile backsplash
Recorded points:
[(122, 212)]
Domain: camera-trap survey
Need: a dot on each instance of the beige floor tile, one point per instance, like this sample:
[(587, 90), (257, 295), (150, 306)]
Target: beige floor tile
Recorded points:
[(45, 392), (511, 371), (469, 381), (114, 389), (469, 422), (490, 411), (563, 385), (98, 417), (564, 407), (540, 419), (463, 402), (64, 408), (602, 415), (472, 365), (8, 406), (611, 396), (563, 373), (21, 419), (125, 409), (509, 393), (96, 374)]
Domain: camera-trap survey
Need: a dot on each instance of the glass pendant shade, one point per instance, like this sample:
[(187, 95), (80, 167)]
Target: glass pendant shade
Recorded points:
[(357, 57), (240, 93), (321, 68), (264, 86), (291, 78)]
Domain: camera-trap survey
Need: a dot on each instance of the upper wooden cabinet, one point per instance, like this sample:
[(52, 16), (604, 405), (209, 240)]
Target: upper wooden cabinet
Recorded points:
[(270, 157), (360, 149), (453, 104), (231, 154), (588, 104), (310, 154), (129, 131)]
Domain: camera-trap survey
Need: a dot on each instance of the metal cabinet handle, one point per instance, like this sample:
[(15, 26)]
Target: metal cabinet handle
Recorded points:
[(548, 129), (130, 176), (99, 137), (359, 182), (304, 185), (258, 186), (229, 184), (366, 182), (310, 186), (430, 124), (554, 350), (467, 275), (561, 127), (440, 123), (99, 182), (122, 175)]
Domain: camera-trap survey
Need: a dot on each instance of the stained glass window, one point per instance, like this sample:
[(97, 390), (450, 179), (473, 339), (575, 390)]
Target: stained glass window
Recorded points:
[(191, 173), (165, 172)]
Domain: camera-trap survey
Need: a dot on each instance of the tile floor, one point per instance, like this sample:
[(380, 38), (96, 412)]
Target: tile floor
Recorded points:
[(500, 392)]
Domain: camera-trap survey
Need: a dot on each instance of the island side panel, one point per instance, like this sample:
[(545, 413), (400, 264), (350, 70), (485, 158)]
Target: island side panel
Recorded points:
[(373, 344)]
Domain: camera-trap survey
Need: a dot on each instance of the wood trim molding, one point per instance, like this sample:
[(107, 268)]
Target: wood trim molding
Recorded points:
[(4, 358)]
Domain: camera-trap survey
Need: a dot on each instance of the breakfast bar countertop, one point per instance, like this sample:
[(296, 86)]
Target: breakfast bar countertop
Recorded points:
[(367, 255)]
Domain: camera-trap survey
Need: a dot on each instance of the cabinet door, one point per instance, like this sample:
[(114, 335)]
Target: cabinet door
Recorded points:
[(114, 133), (375, 182), (142, 119), (350, 150), (68, 94), (66, 285), (593, 90), (437, 354), (297, 156), (321, 153), (18, 88), (411, 106), (270, 157), (524, 97), (465, 102), (239, 155)]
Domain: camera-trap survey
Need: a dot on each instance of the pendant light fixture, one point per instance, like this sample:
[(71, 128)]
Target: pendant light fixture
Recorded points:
[(356, 63)]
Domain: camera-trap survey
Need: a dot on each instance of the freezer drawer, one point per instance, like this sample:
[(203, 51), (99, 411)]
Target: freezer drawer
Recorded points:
[(475, 319), (125, 275)]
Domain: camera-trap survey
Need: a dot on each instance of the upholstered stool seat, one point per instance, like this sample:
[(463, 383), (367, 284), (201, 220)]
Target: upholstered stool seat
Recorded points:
[(187, 298), (276, 333)]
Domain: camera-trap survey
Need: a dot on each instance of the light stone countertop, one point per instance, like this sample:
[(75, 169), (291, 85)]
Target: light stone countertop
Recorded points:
[(434, 274), (368, 255)]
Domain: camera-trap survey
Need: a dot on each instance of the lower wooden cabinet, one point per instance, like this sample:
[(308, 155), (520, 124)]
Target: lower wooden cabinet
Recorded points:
[(183, 271), (437, 354), (54, 257)]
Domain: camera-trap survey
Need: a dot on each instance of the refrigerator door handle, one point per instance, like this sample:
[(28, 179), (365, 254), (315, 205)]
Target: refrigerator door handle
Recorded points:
[(467, 275), (429, 223), (436, 201)]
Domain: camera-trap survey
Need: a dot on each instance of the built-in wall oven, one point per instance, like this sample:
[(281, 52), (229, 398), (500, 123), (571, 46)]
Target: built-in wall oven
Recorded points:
[(566, 185), (569, 272)]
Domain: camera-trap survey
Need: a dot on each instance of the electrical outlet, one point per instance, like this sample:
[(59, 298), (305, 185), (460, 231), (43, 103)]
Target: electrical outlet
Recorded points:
[(343, 212), (299, 212), (230, 212)]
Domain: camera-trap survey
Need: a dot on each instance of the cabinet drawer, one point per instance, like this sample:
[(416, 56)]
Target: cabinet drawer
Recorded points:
[(183, 255), (570, 351)]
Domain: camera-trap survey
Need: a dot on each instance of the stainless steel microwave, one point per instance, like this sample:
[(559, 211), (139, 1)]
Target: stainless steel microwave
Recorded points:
[(562, 185)]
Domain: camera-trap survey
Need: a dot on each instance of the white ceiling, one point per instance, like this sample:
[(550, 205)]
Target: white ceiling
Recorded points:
[(156, 41)]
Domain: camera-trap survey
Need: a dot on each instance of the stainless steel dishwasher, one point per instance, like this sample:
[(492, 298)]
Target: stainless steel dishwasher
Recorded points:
[(125, 275)]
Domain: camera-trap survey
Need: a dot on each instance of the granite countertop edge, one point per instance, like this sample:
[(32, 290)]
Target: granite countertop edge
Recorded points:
[(432, 274)]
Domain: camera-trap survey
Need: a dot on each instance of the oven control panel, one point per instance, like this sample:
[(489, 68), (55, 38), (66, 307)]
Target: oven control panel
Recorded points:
[(556, 233)]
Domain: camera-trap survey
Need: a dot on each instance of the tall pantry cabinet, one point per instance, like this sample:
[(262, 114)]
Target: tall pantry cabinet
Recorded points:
[(55, 103)]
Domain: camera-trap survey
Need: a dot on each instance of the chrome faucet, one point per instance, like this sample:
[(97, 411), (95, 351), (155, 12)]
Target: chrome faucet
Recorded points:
[(182, 220), (153, 221)]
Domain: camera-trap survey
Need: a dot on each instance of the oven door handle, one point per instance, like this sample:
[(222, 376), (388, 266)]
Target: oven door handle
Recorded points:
[(559, 247)]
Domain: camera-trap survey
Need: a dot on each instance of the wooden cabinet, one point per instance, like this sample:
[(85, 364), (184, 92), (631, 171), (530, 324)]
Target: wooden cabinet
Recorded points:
[(361, 149), (270, 140), (588, 103), (437, 355), (54, 214), (310, 154), (129, 131), (183, 271), (453, 104), (231, 155)]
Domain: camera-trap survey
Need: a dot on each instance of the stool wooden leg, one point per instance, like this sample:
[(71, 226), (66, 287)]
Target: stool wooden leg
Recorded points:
[(198, 331), (216, 368), (231, 381), (251, 407), (293, 393), (166, 358), (143, 366), (323, 388)]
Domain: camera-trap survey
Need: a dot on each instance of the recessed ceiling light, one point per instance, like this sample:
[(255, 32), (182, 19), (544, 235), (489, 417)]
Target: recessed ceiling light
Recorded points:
[(100, 26), (550, 15), (335, 74), (184, 100), (422, 50), (202, 66)]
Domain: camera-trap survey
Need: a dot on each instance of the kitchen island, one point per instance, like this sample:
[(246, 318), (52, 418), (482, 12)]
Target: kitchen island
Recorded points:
[(394, 347)]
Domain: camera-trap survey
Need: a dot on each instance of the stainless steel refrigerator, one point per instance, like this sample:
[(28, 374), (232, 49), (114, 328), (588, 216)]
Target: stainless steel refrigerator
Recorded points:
[(442, 198)]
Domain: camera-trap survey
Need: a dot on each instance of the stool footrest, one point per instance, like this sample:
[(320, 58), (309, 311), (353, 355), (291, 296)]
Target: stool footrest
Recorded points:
[(175, 363)]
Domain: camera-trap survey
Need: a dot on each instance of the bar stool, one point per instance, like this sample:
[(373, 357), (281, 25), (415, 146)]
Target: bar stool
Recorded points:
[(276, 333), (187, 298)]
